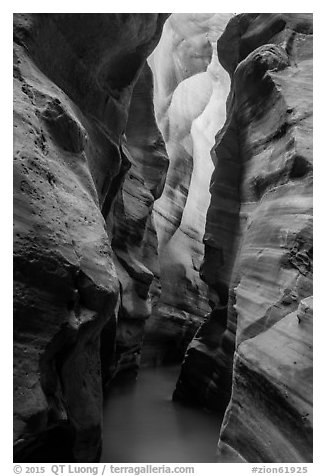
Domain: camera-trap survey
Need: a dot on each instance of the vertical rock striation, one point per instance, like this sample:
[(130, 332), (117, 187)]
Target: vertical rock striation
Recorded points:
[(258, 247), (73, 79), (190, 93), (134, 240)]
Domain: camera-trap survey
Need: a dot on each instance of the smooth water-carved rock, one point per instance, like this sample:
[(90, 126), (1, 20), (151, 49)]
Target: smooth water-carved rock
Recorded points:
[(134, 239), (73, 79), (258, 245), (190, 94)]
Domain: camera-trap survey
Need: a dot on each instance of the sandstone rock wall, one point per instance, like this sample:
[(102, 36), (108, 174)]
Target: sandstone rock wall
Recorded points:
[(190, 94), (73, 79), (134, 239), (258, 247)]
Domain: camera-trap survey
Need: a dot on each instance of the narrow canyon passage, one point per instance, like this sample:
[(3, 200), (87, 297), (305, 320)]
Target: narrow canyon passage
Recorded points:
[(163, 213), (142, 423)]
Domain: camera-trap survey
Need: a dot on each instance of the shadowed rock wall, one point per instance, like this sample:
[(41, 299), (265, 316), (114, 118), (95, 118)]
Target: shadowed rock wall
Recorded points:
[(134, 239), (73, 79), (258, 247)]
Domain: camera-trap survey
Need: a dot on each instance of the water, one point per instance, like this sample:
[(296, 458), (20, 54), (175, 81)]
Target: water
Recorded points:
[(143, 425)]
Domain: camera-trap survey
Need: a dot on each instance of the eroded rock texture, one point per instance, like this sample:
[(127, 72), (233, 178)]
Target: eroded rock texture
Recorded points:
[(258, 247), (73, 79), (134, 234), (190, 94)]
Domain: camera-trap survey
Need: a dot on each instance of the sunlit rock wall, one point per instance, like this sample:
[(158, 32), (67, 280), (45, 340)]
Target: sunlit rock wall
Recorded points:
[(258, 245), (73, 79), (190, 90)]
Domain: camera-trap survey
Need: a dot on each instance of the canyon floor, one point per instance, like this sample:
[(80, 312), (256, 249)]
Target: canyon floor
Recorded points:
[(143, 424)]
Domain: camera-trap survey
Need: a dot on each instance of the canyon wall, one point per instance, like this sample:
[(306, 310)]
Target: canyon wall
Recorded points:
[(74, 76), (257, 344), (190, 91), (134, 238)]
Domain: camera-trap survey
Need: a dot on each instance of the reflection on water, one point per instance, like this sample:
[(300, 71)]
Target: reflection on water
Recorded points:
[(143, 425)]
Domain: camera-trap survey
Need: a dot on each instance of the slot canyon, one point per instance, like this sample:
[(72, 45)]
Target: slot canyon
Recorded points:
[(163, 237)]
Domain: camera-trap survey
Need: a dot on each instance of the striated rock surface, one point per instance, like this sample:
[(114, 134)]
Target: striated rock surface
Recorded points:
[(73, 79), (258, 246), (190, 94), (134, 240)]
